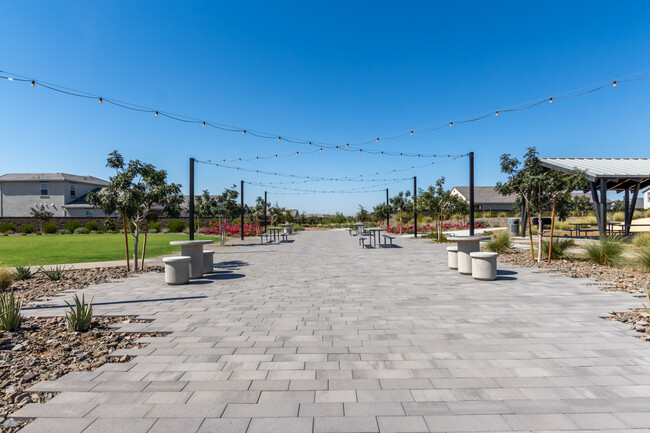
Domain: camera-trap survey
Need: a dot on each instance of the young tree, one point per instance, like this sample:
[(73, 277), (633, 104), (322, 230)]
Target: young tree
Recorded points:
[(440, 202), (381, 211), (581, 204), (41, 214), (539, 187), (362, 215), (400, 204), (133, 191)]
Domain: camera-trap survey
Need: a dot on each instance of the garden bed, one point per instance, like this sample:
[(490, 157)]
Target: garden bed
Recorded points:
[(44, 349)]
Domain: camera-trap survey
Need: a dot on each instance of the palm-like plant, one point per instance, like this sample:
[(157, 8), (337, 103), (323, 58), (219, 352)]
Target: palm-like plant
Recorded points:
[(80, 315)]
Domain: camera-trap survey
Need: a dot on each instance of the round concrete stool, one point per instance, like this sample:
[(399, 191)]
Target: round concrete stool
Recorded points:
[(208, 262), (452, 256), (177, 270), (484, 266)]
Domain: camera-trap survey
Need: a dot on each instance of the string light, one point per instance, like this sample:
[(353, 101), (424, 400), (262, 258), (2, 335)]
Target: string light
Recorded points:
[(497, 113), (156, 114), (451, 124), (280, 139), (101, 100), (187, 119)]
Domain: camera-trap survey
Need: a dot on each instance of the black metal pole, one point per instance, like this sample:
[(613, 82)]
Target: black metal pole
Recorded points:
[(387, 211), (471, 193), (415, 206), (603, 207), (191, 199), (243, 211), (264, 211)]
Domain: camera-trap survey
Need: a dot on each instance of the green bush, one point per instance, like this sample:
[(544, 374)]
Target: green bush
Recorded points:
[(81, 231), (65, 232), (6, 278), (637, 214), (618, 216), (641, 240), (7, 228), (71, 226), (49, 227), (92, 226), (644, 258), (24, 272), (559, 248), (154, 226), (500, 242), (153, 231), (164, 230), (176, 226), (109, 225), (27, 229), (80, 316), (608, 251), (10, 318)]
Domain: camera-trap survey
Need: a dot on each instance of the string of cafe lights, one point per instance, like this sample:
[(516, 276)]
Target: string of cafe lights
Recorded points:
[(329, 192), (331, 179), (357, 189), (322, 145)]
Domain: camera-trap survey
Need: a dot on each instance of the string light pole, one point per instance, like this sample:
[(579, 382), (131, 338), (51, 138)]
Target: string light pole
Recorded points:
[(243, 212), (387, 211), (264, 211), (191, 199), (471, 193), (415, 206)]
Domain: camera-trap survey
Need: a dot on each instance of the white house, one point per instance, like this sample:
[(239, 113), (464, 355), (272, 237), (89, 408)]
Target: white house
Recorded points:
[(61, 193), (646, 199)]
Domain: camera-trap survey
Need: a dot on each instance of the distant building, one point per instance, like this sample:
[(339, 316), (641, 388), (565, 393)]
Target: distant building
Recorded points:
[(61, 193), (646, 199), (486, 198)]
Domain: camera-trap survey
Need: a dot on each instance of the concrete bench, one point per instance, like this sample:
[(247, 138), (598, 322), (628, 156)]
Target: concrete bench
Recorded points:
[(362, 240), (452, 257), (177, 270), (284, 237), (264, 236), (208, 262), (484, 266), (350, 231), (388, 237)]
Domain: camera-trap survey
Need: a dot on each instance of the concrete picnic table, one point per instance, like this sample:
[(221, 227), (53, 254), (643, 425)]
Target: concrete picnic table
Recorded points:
[(193, 249), (288, 228), (359, 227), (275, 231), (375, 232), (467, 245)]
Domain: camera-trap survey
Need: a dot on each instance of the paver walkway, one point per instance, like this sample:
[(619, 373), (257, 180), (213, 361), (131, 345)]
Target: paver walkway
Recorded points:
[(319, 335)]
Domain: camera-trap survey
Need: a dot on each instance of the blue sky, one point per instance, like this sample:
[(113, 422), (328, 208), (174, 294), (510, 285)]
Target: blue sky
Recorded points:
[(330, 71)]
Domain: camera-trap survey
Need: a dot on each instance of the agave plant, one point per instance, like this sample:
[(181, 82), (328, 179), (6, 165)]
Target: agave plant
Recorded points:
[(24, 272), (10, 318), (56, 273), (80, 315)]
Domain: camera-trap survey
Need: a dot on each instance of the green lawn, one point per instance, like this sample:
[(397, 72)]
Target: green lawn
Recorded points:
[(55, 249)]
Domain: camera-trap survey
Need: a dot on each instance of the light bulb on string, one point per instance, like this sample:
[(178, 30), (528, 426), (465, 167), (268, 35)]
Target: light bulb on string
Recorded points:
[(244, 132), (411, 132), (156, 114), (33, 83), (321, 150), (101, 101), (614, 84), (347, 145), (204, 124), (377, 139), (296, 153), (497, 113), (280, 139), (451, 124), (550, 100), (310, 144)]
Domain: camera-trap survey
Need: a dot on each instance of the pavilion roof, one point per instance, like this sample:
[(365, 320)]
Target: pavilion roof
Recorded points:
[(619, 173)]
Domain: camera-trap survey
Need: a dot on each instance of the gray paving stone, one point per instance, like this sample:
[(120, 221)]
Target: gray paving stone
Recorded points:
[(120, 425), (286, 425), (176, 425), (236, 410), (321, 409), (224, 425), (346, 424), (402, 424), (57, 425)]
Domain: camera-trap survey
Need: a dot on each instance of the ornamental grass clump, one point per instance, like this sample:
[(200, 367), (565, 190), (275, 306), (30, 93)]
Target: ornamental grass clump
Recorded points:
[(644, 258), (56, 273), (500, 242), (24, 272), (6, 278), (559, 248), (10, 318), (641, 240), (608, 251), (80, 315)]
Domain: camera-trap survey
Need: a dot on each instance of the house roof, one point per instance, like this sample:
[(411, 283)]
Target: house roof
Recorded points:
[(81, 202), (51, 177), (620, 173), (486, 194)]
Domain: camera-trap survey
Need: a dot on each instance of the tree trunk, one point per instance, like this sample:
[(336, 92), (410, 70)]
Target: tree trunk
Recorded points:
[(540, 236), (136, 233), (530, 230), (126, 243), (144, 244), (550, 242)]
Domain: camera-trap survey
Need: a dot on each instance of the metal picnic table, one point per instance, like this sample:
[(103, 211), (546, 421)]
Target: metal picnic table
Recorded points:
[(275, 232), (375, 233)]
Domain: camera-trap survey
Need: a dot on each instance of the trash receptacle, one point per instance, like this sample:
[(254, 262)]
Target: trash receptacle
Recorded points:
[(513, 226)]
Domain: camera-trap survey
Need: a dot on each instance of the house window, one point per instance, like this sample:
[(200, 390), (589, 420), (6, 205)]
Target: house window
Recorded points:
[(44, 189), (479, 207), (90, 213), (73, 190)]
